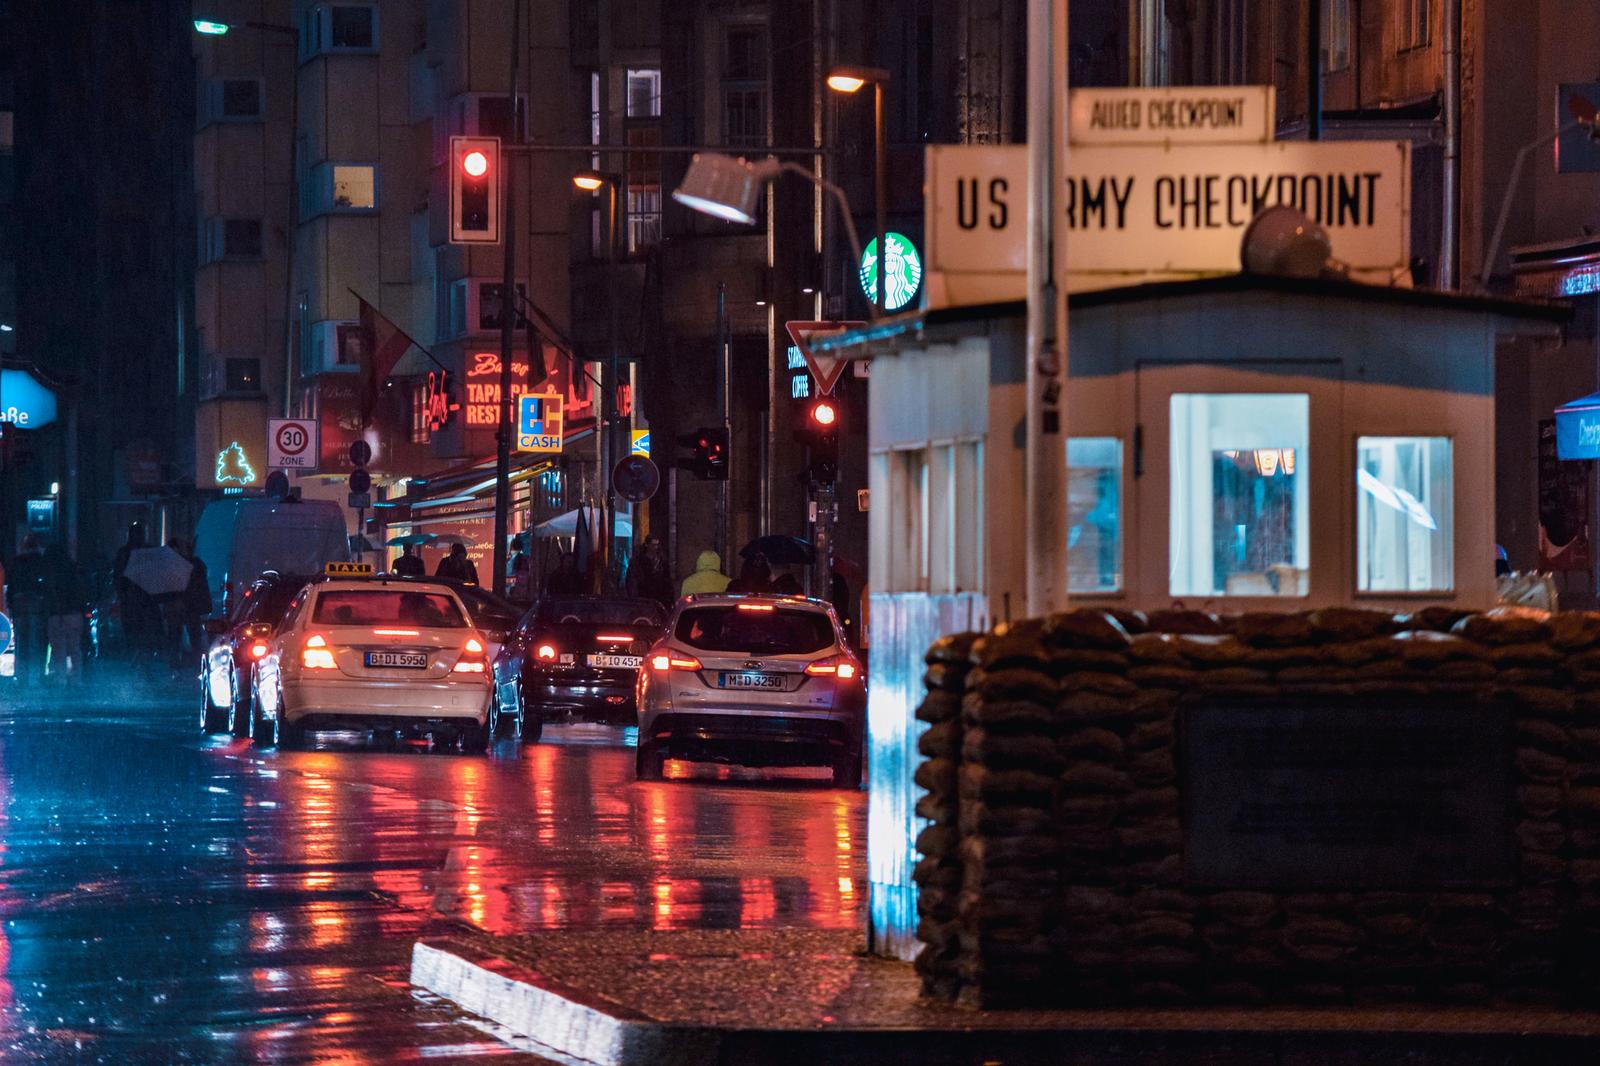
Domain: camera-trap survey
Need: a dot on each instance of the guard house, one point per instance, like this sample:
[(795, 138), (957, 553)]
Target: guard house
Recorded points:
[(1235, 443)]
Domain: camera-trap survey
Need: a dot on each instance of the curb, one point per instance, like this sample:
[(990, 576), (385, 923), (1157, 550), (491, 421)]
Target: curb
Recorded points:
[(555, 1015)]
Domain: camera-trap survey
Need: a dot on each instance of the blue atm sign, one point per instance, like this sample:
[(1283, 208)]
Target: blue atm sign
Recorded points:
[(539, 423)]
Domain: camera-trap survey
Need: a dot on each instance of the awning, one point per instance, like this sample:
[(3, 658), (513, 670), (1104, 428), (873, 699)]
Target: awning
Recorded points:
[(566, 525), (1578, 428)]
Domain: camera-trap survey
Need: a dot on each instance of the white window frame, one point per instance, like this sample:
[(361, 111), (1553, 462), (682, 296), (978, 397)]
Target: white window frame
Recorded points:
[(316, 194), (316, 32), (1446, 591)]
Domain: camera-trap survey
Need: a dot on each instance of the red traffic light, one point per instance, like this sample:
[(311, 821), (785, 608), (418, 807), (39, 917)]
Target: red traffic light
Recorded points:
[(475, 163), (824, 414)]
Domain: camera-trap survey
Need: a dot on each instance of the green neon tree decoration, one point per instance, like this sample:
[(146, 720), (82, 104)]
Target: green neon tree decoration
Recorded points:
[(234, 466)]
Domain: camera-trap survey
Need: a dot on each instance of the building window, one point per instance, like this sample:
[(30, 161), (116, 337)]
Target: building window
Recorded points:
[(744, 86), (1094, 514), (242, 375), (1241, 495), (420, 430), (1336, 34), (355, 187), (241, 238), (644, 188), (241, 98), (1413, 29), (1405, 527), (326, 28), (644, 94)]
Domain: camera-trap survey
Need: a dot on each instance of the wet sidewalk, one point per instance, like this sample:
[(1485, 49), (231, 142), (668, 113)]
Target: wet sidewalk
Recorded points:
[(812, 996)]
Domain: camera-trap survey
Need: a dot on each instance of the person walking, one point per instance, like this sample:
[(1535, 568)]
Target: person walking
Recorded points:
[(707, 576), (519, 573), (409, 564), (28, 595), (648, 575), (141, 615), (565, 580), (64, 626), (190, 608), (457, 565)]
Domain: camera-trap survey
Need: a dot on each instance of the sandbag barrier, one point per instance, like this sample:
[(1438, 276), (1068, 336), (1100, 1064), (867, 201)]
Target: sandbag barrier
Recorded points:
[(1052, 873)]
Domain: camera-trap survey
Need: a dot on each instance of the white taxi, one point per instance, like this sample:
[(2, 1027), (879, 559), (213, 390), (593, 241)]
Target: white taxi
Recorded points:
[(383, 654)]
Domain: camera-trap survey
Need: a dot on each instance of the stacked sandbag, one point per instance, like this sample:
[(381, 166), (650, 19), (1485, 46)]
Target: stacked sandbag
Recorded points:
[(1009, 847), (938, 872), (1062, 777)]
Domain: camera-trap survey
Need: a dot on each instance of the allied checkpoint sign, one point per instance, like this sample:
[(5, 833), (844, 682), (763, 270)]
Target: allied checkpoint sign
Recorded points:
[(1159, 209), (539, 422)]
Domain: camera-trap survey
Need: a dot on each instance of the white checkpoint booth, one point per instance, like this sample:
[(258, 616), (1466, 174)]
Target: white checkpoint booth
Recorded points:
[(1234, 443)]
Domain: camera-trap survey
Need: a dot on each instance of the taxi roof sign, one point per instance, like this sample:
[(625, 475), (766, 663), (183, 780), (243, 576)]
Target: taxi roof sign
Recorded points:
[(348, 570)]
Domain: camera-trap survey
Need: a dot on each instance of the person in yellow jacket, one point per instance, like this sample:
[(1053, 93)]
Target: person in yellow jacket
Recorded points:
[(707, 576)]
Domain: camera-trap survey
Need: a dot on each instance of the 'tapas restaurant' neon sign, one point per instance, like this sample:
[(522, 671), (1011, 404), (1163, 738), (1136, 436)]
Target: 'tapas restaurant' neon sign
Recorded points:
[(483, 387)]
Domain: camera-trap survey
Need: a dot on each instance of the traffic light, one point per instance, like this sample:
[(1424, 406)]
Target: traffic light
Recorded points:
[(821, 434), (708, 458), (474, 190)]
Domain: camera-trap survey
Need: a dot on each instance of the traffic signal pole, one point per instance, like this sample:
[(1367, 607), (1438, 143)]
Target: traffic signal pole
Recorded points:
[(724, 391), (509, 312)]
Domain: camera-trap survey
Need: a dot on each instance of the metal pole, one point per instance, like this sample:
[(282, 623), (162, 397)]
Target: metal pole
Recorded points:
[(1450, 184), (881, 185), (291, 225), (1046, 534), (72, 477), (609, 450), (724, 390), (1314, 70), (508, 328)]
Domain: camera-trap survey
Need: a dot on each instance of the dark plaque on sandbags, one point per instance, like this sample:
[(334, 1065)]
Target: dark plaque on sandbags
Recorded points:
[(1346, 796)]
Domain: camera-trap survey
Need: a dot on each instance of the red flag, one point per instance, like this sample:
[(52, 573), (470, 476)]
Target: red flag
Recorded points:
[(386, 343)]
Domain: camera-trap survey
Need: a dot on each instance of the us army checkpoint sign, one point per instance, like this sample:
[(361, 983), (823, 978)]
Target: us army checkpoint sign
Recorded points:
[(539, 423)]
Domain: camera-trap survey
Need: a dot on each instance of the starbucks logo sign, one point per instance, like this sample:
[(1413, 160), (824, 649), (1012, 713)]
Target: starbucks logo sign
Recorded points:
[(902, 271)]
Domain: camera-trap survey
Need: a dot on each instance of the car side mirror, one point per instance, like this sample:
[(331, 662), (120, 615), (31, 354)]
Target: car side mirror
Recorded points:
[(215, 626)]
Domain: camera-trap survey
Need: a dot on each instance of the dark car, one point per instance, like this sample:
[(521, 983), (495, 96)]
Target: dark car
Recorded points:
[(576, 656), (494, 616), (239, 640)]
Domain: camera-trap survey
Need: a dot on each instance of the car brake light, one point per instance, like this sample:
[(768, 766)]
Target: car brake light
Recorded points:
[(843, 669), (472, 660), (756, 607), (474, 646), (615, 638), (397, 632), (667, 661), (258, 650), (546, 653), (846, 671), (316, 655), (469, 666)]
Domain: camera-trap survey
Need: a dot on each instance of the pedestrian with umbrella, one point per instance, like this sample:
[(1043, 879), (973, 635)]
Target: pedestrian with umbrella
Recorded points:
[(137, 608), (409, 564)]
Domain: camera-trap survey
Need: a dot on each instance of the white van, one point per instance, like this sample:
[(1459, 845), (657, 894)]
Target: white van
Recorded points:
[(240, 538)]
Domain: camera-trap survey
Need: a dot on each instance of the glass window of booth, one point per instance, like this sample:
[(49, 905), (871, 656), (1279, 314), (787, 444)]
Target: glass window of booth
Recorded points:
[(1094, 515), (1405, 529), (1241, 494)]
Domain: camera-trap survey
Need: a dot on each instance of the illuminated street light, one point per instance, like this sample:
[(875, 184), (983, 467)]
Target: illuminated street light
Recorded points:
[(850, 80), (845, 83), (210, 28), (6, 327), (589, 180)]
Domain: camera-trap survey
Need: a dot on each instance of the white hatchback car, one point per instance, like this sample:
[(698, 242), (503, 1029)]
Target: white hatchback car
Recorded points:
[(755, 680), (385, 654)]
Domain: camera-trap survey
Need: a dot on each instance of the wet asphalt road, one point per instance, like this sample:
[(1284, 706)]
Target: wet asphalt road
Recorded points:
[(168, 898)]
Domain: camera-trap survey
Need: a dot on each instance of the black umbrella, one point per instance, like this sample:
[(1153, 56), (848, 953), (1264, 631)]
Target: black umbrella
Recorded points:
[(780, 549)]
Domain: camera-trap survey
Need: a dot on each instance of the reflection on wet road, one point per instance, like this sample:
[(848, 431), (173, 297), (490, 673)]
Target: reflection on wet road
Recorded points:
[(169, 899)]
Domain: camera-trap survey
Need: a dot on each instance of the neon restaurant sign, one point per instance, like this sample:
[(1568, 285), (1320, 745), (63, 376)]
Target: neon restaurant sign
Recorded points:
[(902, 271), (482, 404)]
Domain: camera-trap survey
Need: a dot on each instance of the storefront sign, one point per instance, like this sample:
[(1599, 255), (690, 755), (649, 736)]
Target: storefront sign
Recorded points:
[(902, 271), (1229, 114), (539, 423), (1146, 213), (230, 444), (438, 405), (480, 398), (24, 402), (1566, 445), (639, 442)]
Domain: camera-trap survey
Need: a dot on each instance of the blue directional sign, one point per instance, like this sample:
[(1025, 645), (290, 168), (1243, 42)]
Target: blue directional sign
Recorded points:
[(5, 633), (539, 423), (24, 402)]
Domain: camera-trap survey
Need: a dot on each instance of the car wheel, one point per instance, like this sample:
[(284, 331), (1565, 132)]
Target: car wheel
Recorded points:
[(847, 771), (263, 731), (532, 719), (213, 719), (649, 763), (243, 714)]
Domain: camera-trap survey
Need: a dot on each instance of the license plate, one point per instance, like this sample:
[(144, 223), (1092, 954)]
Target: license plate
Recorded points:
[(617, 662), (405, 660), (772, 681)]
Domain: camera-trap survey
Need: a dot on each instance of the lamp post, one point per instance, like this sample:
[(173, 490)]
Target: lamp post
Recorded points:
[(593, 181), (215, 28), (850, 80)]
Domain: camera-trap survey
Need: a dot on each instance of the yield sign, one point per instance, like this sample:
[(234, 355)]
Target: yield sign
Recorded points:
[(824, 368)]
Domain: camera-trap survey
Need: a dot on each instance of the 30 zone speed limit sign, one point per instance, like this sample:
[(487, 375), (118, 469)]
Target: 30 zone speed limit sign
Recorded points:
[(291, 444)]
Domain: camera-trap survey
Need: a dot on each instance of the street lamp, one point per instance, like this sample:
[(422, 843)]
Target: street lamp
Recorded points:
[(728, 188), (218, 28), (593, 181), (849, 80)]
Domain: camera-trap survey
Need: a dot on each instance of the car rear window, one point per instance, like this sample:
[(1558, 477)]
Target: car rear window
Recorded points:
[(579, 611), (363, 607), (777, 631)]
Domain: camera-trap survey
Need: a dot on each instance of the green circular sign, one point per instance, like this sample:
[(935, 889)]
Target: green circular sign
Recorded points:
[(902, 271)]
